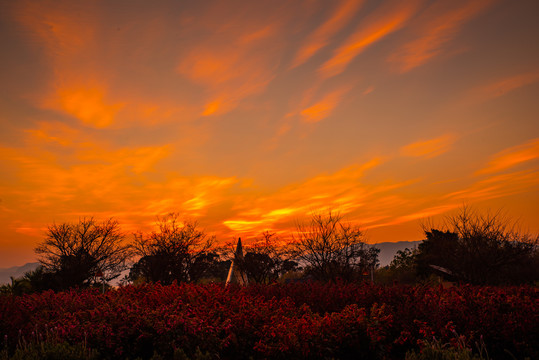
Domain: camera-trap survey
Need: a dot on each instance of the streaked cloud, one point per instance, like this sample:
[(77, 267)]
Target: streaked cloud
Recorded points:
[(341, 16), (438, 25), (386, 19), (504, 86), (497, 186), (511, 157), (323, 108), (429, 148), (232, 113), (341, 191)]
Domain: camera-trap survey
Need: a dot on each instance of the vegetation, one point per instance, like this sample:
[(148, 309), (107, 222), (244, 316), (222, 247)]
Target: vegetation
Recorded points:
[(81, 254), (264, 262), (332, 249), (178, 251), (178, 309), (467, 248), (479, 249), (472, 248), (310, 320)]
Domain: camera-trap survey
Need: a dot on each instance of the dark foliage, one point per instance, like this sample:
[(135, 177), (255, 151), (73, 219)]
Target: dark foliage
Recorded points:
[(75, 254), (479, 249), (332, 249), (294, 321), (264, 262), (178, 251)]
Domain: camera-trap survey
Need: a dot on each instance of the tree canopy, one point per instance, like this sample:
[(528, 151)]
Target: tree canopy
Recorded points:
[(76, 254), (479, 249), (332, 249), (176, 251)]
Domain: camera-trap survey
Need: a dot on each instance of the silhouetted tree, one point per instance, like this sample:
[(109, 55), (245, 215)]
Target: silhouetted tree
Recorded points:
[(178, 251), (402, 268), (332, 249), (480, 249), (77, 252), (40, 279), (265, 262)]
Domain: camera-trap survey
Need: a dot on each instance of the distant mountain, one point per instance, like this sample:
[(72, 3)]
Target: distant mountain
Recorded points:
[(389, 249), (15, 272)]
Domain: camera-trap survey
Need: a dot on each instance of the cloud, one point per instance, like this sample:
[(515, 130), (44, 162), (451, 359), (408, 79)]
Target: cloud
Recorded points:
[(429, 148), (504, 86), (98, 72), (341, 16), (88, 105), (438, 26), (88, 178), (385, 20), (324, 107), (497, 186), (512, 157), (229, 76), (341, 191), (235, 56)]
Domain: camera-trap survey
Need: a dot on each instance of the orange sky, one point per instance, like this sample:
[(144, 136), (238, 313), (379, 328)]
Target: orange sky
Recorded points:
[(248, 115)]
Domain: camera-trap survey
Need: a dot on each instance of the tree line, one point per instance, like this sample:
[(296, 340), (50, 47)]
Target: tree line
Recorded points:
[(467, 247)]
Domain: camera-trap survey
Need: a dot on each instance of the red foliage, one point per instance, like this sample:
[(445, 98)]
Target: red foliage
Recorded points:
[(308, 320)]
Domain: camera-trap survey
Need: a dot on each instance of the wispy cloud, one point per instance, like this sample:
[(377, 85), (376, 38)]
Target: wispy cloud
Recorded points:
[(429, 148), (511, 157), (438, 25), (385, 20), (341, 16), (497, 186), (88, 105), (503, 86), (323, 108), (341, 191)]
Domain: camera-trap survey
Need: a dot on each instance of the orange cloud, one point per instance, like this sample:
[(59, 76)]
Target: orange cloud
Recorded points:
[(54, 132), (429, 148), (512, 157), (340, 191), (233, 66), (385, 20), (504, 86), (88, 105), (323, 108), (438, 26), (497, 186), (85, 178), (62, 27), (343, 13)]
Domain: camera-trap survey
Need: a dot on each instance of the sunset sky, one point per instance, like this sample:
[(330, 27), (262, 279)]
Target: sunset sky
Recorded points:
[(249, 115)]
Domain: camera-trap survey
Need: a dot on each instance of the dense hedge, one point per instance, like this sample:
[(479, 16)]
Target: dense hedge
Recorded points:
[(306, 320)]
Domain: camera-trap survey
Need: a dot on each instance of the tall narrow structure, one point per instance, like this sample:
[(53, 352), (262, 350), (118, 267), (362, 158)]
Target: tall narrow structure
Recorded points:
[(235, 274)]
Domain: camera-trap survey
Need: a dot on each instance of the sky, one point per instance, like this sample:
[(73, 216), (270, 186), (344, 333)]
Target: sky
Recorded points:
[(247, 116)]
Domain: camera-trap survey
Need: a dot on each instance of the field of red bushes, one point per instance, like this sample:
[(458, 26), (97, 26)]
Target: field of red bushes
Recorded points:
[(304, 320)]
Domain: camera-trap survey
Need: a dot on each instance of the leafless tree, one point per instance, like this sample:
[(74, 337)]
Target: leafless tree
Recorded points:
[(330, 248), (264, 260), (481, 248), (76, 253), (176, 251)]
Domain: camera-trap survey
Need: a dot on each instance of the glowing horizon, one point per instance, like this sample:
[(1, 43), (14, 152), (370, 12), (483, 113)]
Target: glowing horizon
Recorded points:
[(247, 116)]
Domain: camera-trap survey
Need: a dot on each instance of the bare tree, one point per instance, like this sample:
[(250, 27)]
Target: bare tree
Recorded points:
[(480, 248), (264, 261), (331, 249), (76, 253), (174, 252)]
